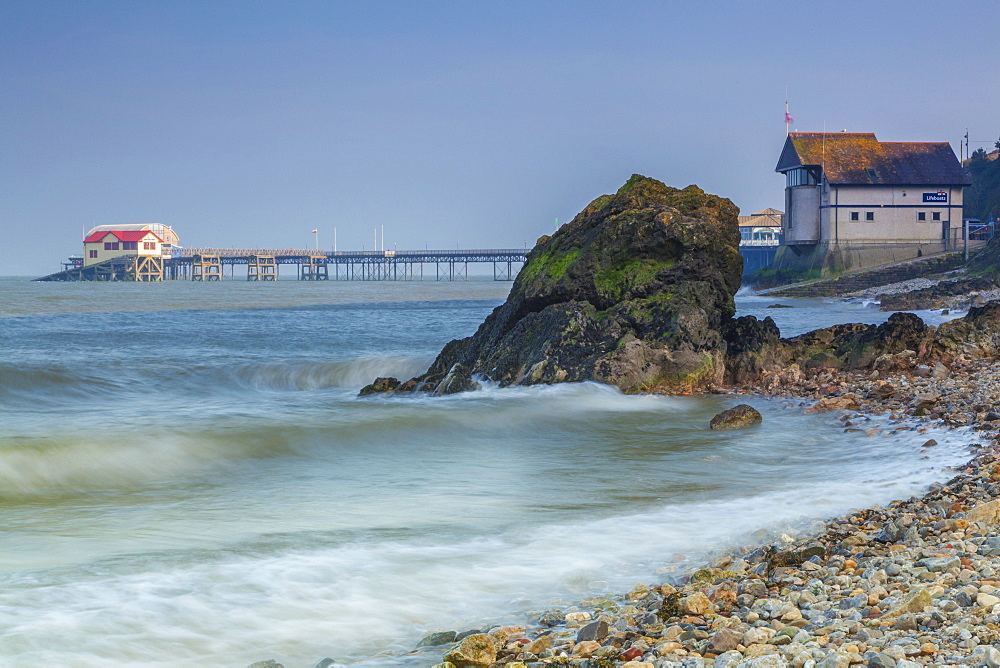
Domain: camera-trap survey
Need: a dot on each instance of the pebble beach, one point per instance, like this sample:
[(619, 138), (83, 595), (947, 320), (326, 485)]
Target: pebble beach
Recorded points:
[(916, 583)]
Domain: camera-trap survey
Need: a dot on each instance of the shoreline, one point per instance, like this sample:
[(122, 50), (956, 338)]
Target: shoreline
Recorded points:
[(919, 587)]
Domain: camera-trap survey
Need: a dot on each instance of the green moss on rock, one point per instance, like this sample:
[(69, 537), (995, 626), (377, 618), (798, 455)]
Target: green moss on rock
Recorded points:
[(634, 291)]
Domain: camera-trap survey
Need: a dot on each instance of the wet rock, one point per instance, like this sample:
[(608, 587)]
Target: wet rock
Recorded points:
[(696, 604), (987, 600), (847, 402), (985, 654), (635, 292), (474, 651), (270, 663), (890, 533), (766, 661), (737, 417), (729, 659), (987, 512), (835, 660), (915, 602), (936, 565), (878, 660), (593, 631), (435, 638), (586, 648), (538, 646), (724, 640), (379, 386)]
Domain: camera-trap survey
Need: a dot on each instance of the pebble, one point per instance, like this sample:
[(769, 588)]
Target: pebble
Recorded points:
[(912, 584)]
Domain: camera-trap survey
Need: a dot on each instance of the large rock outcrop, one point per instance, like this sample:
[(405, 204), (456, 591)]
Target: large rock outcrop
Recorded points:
[(636, 291), (901, 343)]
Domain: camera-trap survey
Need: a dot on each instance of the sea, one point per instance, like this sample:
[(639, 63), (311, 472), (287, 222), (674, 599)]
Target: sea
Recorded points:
[(188, 476)]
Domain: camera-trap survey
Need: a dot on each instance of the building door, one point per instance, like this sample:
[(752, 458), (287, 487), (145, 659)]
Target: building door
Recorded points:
[(946, 234)]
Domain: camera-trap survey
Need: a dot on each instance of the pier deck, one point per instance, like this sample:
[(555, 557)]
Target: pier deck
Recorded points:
[(208, 264)]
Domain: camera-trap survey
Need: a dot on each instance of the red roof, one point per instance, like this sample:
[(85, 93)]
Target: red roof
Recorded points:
[(122, 235)]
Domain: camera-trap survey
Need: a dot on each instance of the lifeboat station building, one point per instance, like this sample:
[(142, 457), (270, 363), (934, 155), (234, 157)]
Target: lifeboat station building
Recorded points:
[(104, 245), (853, 202), (127, 252)]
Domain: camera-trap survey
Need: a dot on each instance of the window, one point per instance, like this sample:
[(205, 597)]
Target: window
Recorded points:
[(130, 245), (921, 216), (869, 215), (149, 245), (93, 254), (936, 215), (872, 174), (801, 176), (855, 216), (110, 245)]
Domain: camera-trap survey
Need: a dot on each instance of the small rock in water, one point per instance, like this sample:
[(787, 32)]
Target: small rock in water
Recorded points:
[(379, 386), (270, 663), (738, 417), (435, 638), (327, 663)]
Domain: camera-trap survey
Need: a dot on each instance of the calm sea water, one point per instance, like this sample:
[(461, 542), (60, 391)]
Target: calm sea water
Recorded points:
[(188, 477)]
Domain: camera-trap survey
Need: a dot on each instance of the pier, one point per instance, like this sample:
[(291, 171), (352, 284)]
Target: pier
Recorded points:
[(262, 264)]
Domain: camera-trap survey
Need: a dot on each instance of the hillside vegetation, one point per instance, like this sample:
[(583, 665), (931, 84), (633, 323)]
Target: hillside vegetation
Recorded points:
[(982, 199)]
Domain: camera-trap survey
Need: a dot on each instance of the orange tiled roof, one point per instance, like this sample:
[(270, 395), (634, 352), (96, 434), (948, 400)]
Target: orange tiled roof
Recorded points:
[(849, 158)]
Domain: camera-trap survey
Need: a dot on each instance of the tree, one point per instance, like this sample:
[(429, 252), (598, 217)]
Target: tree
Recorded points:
[(979, 154)]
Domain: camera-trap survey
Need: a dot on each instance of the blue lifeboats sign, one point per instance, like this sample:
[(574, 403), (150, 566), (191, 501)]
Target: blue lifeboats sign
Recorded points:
[(939, 196)]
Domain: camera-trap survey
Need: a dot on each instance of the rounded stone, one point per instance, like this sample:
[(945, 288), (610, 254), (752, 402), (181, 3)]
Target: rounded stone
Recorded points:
[(737, 417)]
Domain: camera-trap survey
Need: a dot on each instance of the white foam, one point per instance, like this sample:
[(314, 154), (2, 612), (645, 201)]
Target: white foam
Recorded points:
[(351, 600)]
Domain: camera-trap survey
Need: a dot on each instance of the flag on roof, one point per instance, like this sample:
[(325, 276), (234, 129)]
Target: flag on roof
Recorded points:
[(788, 117), (315, 231)]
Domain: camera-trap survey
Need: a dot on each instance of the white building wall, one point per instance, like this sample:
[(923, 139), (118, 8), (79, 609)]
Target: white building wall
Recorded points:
[(102, 254), (802, 220), (894, 211)]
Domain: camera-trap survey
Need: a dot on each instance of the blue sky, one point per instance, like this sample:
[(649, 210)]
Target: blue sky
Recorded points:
[(470, 124)]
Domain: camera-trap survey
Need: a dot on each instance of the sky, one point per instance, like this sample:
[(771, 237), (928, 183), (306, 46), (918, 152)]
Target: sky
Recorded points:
[(466, 124)]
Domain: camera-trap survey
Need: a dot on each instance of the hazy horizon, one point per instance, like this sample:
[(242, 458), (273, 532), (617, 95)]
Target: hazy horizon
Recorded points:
[(451, 124)]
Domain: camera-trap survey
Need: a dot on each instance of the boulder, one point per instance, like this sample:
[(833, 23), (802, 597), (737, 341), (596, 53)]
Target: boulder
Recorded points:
[(635, 291), (737, 417)]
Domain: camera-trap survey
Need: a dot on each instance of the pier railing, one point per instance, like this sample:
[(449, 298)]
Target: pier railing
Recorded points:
[(363, 265)]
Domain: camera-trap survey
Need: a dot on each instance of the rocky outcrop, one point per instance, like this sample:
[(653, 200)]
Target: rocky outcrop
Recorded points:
[(941, 295), (636, 291), (903, 343)]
